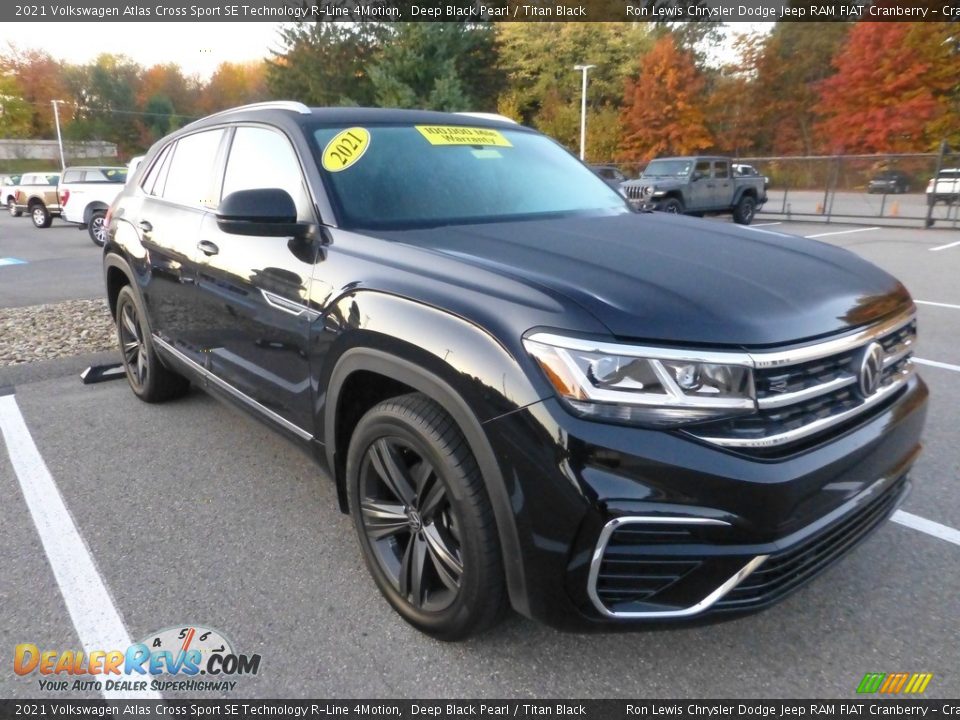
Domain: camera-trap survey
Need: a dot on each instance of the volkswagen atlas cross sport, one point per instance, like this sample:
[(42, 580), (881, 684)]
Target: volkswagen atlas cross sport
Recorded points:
[(527, 394)]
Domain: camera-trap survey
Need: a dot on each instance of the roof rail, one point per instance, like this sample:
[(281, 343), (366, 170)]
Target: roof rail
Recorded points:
[(270, 105), (489, 116)]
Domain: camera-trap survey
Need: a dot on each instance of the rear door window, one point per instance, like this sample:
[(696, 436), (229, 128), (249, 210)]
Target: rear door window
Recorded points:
[(192, 174)]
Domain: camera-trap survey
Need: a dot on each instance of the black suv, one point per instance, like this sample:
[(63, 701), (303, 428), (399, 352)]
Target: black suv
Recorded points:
[(527, 393)]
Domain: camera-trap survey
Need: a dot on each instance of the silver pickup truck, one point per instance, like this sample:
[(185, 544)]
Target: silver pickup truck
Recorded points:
[(701, 185)]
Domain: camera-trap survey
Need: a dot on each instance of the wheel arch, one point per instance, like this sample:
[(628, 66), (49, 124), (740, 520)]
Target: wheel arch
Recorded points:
[(116, 274), (91, 208), (406, 374), (745, 192)]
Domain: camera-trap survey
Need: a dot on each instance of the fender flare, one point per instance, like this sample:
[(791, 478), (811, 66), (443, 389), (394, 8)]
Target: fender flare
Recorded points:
[(362, 358), (91, 208)]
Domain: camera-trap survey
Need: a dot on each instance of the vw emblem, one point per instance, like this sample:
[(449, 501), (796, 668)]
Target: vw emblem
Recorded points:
[(414, 521), (871, 369)]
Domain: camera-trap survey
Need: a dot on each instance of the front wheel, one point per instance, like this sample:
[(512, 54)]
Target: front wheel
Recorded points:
[(97, 228), (424, 521), (674, 206), (12, 208), (148, 378), (745, 210), (41, 216)]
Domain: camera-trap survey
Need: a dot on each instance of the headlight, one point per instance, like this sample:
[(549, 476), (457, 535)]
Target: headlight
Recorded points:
[(650, 386)]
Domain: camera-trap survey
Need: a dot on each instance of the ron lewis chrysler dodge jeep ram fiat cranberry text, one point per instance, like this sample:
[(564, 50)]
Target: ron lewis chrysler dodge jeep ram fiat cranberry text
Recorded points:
[(527, 393)]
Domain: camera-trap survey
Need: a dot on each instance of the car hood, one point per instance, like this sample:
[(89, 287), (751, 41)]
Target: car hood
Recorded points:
[(667, 278)]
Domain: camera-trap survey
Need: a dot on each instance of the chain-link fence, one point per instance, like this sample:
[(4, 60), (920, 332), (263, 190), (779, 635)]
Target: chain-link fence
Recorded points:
[(882, 189), (891, 189)]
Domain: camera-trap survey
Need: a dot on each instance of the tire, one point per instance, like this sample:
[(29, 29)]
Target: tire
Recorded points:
[(97, 229), (12, 208), (423, 518), (40, 215), (745, 210), (148, 378), (674, 206)]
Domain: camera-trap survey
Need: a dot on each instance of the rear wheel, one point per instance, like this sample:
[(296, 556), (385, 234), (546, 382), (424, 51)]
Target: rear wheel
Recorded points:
[(97, 228), (424, 520), (148, 378), (41, 216), (674, 206), (745, 210), (12, 208)]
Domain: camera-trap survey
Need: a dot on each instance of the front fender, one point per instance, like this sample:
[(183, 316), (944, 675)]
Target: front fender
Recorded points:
[(469, 373)]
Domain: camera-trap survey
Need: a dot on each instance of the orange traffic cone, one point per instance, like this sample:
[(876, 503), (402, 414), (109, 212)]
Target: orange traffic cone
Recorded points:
[(895, 209)]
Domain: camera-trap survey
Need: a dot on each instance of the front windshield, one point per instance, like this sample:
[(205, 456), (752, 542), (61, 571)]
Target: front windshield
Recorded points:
[(668, 168), (401, 176)]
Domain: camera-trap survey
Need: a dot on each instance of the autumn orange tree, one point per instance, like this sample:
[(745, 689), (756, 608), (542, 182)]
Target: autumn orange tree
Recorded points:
[(663, 108), (783, 68), (893, 90)]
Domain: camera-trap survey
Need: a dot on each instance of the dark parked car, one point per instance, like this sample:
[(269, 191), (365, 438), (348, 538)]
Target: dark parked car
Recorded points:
[(610, 174), (526, 393), (889, 181)]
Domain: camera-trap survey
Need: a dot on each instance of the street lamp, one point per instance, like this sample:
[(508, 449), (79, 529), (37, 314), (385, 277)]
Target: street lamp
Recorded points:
[(56, 117), (583, 108)]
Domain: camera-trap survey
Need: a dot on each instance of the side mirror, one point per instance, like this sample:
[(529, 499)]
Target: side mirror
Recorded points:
[(269, 212), (697, 176)]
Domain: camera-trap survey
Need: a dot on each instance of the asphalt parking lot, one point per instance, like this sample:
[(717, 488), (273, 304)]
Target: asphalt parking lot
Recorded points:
[(194, 514)]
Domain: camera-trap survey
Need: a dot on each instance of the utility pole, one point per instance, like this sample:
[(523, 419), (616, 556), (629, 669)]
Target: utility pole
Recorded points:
[(583, 108), (56, 117)]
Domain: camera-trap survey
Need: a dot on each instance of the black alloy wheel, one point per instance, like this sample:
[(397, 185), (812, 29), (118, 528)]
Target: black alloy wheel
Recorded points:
[(132, 345), (745, 210), (148, 378), (673, 206), (424, 519), (410, 524)]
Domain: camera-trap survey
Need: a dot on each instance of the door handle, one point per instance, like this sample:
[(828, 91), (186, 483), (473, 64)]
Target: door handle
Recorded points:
[(146, 227), (207, 248)]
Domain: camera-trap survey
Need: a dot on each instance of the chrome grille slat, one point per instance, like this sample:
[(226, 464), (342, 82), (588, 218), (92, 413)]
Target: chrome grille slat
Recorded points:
[(805, 391)]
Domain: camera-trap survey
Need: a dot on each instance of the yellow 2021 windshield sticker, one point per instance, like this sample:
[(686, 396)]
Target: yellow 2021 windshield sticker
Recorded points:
[(456, 135), (345, 149)]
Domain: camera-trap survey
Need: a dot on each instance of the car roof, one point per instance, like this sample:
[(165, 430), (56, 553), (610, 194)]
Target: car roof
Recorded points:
[(96, 167), (348, 115)]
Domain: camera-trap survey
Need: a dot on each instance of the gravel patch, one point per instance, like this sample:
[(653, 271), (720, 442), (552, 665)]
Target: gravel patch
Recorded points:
[(45, 332)]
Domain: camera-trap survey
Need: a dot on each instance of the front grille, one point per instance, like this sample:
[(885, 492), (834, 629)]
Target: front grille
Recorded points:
[(635, 192), (626, 577), (798, 401), (786, 571)]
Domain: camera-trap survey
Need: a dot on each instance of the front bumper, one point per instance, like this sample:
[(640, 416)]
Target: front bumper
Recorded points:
[(621, 526)]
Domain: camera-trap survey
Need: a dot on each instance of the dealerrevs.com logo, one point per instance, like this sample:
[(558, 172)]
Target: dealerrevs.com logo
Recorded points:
[(187, 659)]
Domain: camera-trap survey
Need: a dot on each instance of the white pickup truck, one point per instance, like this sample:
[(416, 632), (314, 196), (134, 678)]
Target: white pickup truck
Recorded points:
[(945, 187), (85, 195)]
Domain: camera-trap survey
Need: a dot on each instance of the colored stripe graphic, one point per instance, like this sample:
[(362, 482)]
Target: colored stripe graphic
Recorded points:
[(894, 683), (871, 682)]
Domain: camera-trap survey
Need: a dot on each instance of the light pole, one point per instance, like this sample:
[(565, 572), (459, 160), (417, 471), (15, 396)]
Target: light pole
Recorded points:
[(583, 108), (56, 117)]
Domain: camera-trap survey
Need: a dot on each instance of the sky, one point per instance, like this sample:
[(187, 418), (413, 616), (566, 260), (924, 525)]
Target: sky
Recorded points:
[(198, 47)]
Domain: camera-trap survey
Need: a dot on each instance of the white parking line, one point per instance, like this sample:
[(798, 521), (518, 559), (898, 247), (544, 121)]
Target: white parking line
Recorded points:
[(934, 363), (91, 608), (936, 304), (929, 527), (944, 247), (765, 224), (842, 232)]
